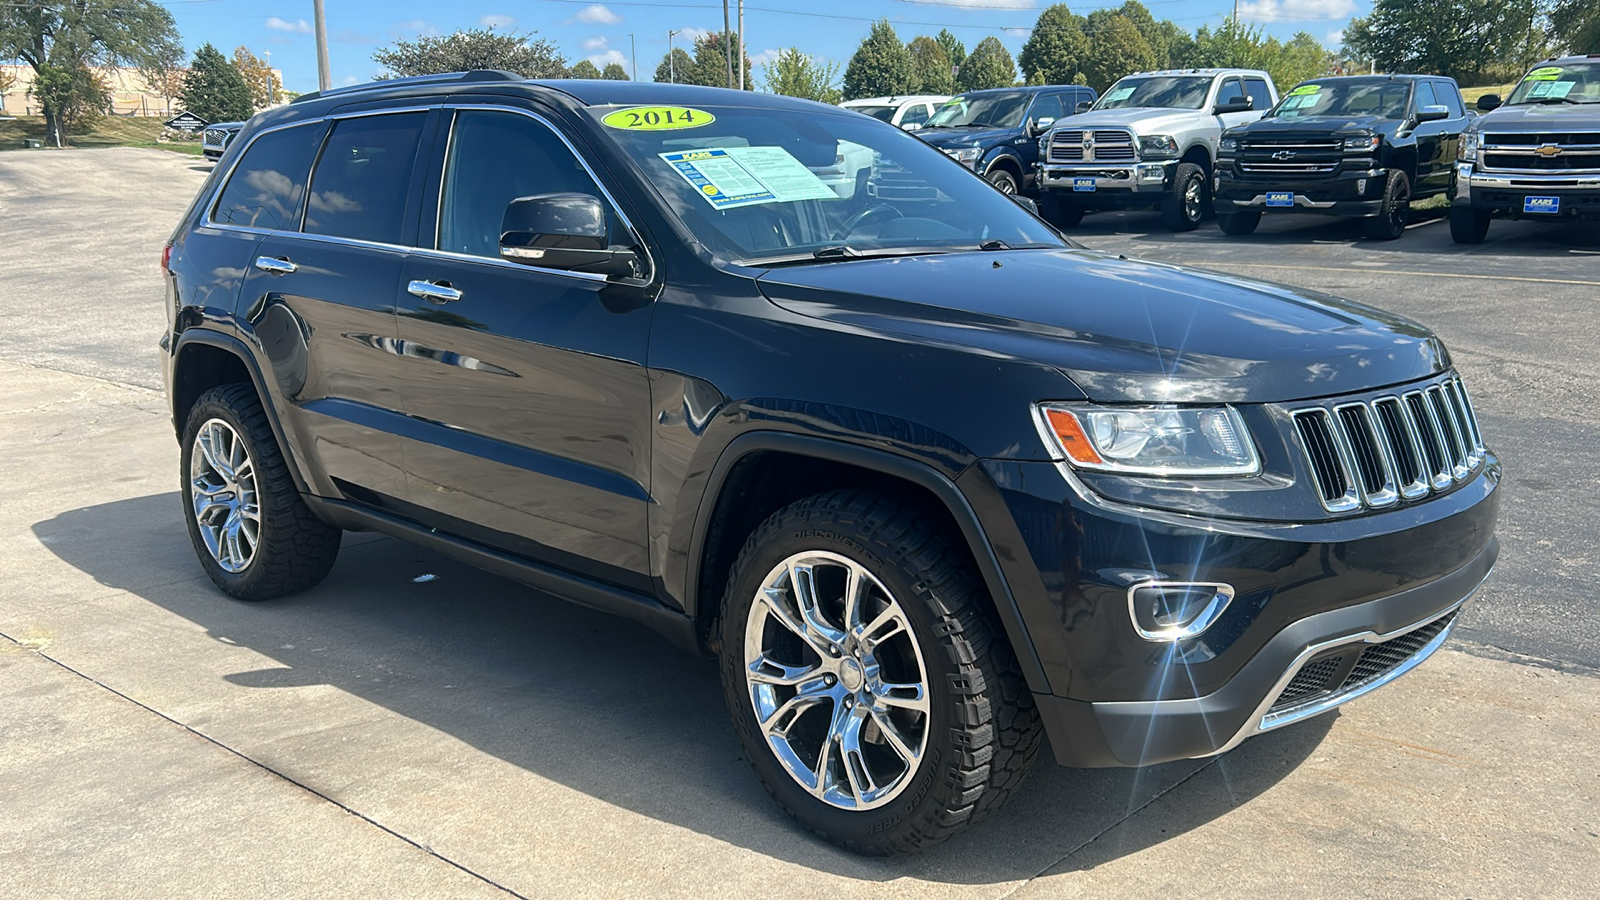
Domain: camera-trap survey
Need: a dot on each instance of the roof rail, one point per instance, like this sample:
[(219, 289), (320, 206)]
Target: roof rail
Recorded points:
[(441, 78)]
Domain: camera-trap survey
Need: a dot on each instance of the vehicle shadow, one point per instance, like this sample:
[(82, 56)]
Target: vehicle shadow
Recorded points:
[(595, 703)]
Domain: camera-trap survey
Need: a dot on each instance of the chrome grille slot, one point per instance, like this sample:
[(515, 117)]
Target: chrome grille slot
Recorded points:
[(1455, 449), (1329, 460), (1428, 435), (1403, 448), (1370, 456)]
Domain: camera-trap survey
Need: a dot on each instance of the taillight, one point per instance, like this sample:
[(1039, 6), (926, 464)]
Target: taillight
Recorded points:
[(166, 257)]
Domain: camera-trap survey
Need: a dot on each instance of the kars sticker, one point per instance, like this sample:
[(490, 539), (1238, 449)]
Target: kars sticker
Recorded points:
[(1544, 73), (1304, 89), (658, 118)]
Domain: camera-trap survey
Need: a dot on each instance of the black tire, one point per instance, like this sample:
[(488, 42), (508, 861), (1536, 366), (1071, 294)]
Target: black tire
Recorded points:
[(1239, 224), (982, 729), (1060, 213), (1468, 225), (1185, 203), (1003, 181), (1390, 224), (294, 549)]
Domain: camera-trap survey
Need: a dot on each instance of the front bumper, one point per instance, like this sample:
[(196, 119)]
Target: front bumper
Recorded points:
[(1353, 193), (1113, 185), (1579, 193)]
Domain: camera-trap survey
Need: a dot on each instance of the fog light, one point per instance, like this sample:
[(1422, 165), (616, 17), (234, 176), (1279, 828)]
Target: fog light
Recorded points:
[(1361, 186), (1167, 611), (1152, 173)]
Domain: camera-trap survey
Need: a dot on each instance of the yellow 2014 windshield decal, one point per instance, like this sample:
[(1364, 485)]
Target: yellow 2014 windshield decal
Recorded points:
[(658, 118), (1545, 73), (1305, 89)]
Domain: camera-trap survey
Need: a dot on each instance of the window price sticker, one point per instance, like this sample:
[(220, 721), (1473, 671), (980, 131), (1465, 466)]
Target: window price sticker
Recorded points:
[(731, 177)]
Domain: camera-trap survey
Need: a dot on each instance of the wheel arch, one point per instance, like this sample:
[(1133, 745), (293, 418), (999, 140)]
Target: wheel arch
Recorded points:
[(1200, 155), (761, 472), (203, 359), (1003, 159)]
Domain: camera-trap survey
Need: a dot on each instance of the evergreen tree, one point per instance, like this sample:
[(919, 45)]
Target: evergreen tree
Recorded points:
[(953, 48), (1464, 39), (1576, 25), (881, 66), (583, 69), (930, 65), (794, 74), (1151, 31), (615, 72), (214, 90), (1054, 52), (676, 66), (473, 48), (1116, 48), (711, 63), (989, 66)]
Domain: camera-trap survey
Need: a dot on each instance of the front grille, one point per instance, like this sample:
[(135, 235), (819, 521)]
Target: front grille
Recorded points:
[(1288, 168), (1375, 452), (1098, 145), (1275, 157), (1379, 660), (215, 137), (1332, 678), (1308, 682), (1566, 162), (1557, 151)]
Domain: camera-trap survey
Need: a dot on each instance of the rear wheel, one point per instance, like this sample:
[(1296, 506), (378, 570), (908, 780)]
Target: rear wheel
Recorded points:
[(1390, 222), (872, 690), (1468, 225), (1003, 181), (1239, 223), (1185, 203)]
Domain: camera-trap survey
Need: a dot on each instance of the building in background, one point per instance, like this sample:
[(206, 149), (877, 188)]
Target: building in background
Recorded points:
[(131, 93)]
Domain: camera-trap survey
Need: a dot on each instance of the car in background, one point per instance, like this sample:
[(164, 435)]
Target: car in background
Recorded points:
[(1361, 145), (1149, 141), (994, 132), (909, 112), (214, 142), (1536, 155)]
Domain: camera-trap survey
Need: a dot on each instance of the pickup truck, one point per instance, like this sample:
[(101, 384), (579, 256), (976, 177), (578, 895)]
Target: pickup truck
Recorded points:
[(1149, 141), (1536, 155)]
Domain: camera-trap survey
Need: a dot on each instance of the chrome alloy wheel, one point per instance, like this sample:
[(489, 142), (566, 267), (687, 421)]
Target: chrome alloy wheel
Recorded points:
[(836, 680), (1192, 195), (222, 493)]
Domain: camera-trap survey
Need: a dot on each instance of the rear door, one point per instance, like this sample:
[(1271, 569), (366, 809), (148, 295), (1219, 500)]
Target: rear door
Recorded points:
[(525, 387), (320, 295)]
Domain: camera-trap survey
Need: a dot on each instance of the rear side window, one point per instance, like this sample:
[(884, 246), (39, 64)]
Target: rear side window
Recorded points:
[(915, 114), (1423, 96), (1259, 93), (267, 185), (1449, 96), (362, 180)]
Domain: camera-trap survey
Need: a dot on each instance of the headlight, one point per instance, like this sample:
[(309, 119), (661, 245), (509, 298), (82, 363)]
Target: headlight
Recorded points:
[(1164, 440), (1158, 146), (1365, 143), (967, 156), (1044, 145), (1229, 145), (1467, 148)]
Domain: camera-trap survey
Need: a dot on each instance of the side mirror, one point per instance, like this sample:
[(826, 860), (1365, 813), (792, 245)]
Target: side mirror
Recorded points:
[(562, 231), (1237, 104), (911, 126), (1040, 126), (1489, 102), (1432, 114), (1082, 107), (1026, 203)]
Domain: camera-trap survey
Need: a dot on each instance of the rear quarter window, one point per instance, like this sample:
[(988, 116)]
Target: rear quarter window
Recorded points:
[(268, 184), (1259, 93)]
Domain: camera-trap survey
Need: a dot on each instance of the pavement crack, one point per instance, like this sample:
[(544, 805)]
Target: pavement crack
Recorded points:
[(268, 769)]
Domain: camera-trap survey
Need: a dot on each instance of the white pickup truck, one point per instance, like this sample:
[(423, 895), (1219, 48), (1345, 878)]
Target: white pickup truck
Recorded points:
[(1149, 140)]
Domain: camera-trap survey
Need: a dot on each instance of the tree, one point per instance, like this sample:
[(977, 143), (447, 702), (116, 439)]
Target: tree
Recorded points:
[(214, 90), (953, 48), (930, 66), (1116, 48), (881, 66), (473, 48), (675, 67), (259, 77), (710, 67), (1464, 39), (1302, 58), (63, 41), (989, 66), (615, 72), (1179, 43), (584, 69), (1055, 50), (168, 82), (1576, 25), (794, 74), (7, 82), (78, 94), (1232, 45)]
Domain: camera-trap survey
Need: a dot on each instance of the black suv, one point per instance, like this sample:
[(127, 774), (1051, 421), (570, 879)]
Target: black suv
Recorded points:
[(930, 480), (996, 132), (1362, 145)]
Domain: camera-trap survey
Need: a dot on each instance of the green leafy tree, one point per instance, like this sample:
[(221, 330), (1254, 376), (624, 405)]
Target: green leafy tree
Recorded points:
[(1231, 45), (1116, 48), (1302, 58), (214, 90), (1055, 50), (1179, 43), (64, 41), (794, 74), (1575, 24), (265, 88), (675, 67), (1465, 39), (473, 48), (614, 72), (953, 48), (881, 67), (989, 66), (930, 66), (80, 97), (711, 63), (583, 69)]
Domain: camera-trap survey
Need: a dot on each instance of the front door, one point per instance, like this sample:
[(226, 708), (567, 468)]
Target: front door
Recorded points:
[(525, 387)]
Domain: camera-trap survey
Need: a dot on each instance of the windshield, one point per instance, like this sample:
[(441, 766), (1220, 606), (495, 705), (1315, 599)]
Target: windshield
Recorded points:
[(1386, 98), (765, 186), (984, 110), (1575, 82), (1164, 91), (881, 113)]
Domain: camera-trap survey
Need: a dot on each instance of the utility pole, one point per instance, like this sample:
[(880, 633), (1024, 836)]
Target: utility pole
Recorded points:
[(633, 56), (740, 62), (324, 76), (727, 41), (672, 62)]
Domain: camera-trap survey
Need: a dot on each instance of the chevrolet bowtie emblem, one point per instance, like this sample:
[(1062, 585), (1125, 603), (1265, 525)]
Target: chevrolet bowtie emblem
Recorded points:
[(1548, 150), (1283, 154)]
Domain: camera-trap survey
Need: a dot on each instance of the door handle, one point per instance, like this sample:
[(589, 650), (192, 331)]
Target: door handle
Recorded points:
[(438, 292), (275, 266)]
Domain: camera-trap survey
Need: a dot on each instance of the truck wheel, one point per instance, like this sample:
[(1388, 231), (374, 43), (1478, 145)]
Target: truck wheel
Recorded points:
[(1390, 223), (1185, 203), (1004, 181), (1239, 223), (1060, 213), (1468, 225), (876, 697), (254, 534)]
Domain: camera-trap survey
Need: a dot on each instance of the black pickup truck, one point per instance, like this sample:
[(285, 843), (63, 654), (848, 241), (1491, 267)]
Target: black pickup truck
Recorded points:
[(1350, 146)]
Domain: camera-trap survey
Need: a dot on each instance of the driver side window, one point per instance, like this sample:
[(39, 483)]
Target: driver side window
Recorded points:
[(1232, 91)]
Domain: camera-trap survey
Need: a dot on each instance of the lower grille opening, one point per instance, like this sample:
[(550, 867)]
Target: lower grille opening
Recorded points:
[(1320, 679)]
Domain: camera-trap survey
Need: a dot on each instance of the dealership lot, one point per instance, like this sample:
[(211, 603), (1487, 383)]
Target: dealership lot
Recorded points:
[(460, 735)]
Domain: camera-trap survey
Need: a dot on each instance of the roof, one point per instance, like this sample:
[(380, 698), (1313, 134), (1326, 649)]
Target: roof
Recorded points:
[(1210, 71), (891, 101), (1029, 89), (1379, 78)]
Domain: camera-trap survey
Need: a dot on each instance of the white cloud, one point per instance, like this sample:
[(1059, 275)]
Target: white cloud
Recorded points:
[(980, 4), (691, 35), (1334, 38), (595, 43), (299, 26), (349, 80), (1295, 10), (601, 60), (497, 21), (417, 26), (1018, 32), (597, 15), (764, 58)]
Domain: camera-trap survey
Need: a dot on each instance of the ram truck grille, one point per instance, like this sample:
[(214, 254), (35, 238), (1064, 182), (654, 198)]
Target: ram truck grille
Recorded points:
[(1098, 145)]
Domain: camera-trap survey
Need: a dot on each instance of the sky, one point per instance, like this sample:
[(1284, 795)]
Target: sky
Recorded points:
[(612, 32)]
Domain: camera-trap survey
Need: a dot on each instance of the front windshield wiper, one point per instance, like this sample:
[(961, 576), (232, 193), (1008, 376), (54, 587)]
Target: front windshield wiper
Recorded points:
[(841, 251)]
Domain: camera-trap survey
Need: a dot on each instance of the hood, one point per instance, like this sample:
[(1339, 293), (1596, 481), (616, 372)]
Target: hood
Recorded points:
[(962, 137), (1542, 117), (1315, 124), (1122, 330), (1143, 119)]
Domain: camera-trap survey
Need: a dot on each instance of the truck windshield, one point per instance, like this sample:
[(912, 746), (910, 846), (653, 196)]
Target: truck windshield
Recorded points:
[(1164, 91), (780, 186), (984, 110), (1574, 82), (1385, 98), (881, 113)]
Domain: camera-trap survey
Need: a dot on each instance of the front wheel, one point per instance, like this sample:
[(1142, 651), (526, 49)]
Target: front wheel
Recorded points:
[(1003, 181), (1185, 203), (1390, 222), (874, 694), (1468, 225)]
